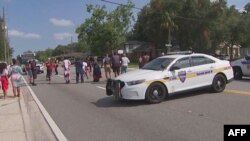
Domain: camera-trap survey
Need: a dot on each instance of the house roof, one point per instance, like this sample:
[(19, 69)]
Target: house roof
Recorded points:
[(122, 45), (145, 47), (136, 46)]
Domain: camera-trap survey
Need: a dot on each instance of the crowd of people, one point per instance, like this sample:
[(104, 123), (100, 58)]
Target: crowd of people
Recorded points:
[(84, 67), (13, 72), (90, 67), (116, 63)]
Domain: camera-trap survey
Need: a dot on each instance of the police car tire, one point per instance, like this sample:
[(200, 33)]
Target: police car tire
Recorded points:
[(237, 73), (151, 98), (219, 83)]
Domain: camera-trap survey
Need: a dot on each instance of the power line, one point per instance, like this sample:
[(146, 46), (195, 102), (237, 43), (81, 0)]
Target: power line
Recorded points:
[(111, 2), (4, 40), (176, 16)]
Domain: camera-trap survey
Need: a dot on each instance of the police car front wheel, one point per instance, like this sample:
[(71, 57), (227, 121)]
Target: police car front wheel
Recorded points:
[(219, 83), (155, 93)]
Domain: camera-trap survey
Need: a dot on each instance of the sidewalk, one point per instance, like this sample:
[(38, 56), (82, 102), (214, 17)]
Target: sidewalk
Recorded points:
[(12, 122), (15, 123)]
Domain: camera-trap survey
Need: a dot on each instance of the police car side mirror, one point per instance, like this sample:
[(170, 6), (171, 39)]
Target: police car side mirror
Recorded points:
[(173, 68)]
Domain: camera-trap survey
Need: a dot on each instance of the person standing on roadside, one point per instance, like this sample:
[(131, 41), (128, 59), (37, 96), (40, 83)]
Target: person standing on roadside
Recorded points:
[(79, 70), (56, 66), (34, 71), (89, 67), (97, 74), (16, 78), (125, 62), (4, 79), (28, 71), (84, 67), (66, 67), (145, 58), (47, 69), (140, 62), (50, 66), (107, 66), (91, 59), (116, 64)]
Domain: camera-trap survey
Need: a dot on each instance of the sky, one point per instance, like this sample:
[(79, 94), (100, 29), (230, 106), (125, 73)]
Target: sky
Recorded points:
[(40, 24)]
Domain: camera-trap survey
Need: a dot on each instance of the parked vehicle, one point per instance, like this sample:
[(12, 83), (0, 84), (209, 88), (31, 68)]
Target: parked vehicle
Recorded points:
[(171, 74), (241, 67), (40, 67)]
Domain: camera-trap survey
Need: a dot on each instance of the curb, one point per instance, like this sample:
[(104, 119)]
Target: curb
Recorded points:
[(25, 118), (55, 129)]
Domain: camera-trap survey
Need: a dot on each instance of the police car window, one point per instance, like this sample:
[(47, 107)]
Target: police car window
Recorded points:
[(247, 57), (182, 63), (158, 64), (201, 60)]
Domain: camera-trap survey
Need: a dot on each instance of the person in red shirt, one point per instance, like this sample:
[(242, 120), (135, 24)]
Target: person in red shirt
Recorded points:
[(4, 78), (50, 65)]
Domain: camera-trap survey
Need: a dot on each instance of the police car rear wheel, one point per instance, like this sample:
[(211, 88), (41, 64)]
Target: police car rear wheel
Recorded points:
[(219, 83), (156, 93)]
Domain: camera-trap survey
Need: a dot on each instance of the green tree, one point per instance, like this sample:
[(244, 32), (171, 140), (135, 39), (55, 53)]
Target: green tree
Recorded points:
[(200, 25), (44, 55), (59, 50), (104, 30), (1, 45), (4, 43), (41, 55), (247, 8), (233, 32), (245, 26)]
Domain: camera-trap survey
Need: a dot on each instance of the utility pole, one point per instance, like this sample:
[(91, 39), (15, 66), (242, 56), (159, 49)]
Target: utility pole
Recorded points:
[(4, 40), (8, 49), (71, 41), (71, 45)]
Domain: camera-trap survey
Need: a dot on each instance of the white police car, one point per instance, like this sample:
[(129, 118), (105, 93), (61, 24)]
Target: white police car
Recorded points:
[(171, 74), (241, 67)]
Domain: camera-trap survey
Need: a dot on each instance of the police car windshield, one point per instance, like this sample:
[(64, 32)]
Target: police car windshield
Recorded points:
[(158, 64)]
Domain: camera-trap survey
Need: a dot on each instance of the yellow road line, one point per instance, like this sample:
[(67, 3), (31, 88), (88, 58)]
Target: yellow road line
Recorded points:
[(237, 91)]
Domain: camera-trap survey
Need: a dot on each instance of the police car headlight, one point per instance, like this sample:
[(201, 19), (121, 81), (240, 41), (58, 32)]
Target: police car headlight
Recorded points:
[(136, 82)]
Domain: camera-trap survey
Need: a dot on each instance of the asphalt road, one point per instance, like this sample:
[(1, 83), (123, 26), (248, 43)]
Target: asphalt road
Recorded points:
[(83, 112)]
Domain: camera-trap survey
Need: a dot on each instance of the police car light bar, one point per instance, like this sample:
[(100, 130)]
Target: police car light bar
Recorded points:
[(180, 52)]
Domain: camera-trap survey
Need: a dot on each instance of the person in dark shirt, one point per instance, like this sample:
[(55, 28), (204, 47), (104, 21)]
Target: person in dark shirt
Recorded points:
[(79, 70), (34, 71), (56, 66), (116, 64), (107, 66), (96, 72)]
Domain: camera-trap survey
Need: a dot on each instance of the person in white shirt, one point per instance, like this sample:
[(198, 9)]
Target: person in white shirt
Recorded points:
[(125, 62), (66, 66), (84, 67)]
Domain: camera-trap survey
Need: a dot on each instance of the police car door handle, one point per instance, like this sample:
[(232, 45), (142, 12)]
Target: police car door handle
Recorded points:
[(189, 71), (212, 67)]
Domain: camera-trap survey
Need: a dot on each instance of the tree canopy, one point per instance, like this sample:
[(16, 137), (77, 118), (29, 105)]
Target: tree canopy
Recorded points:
[(105, 30), (200, 25), (4, 43)]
